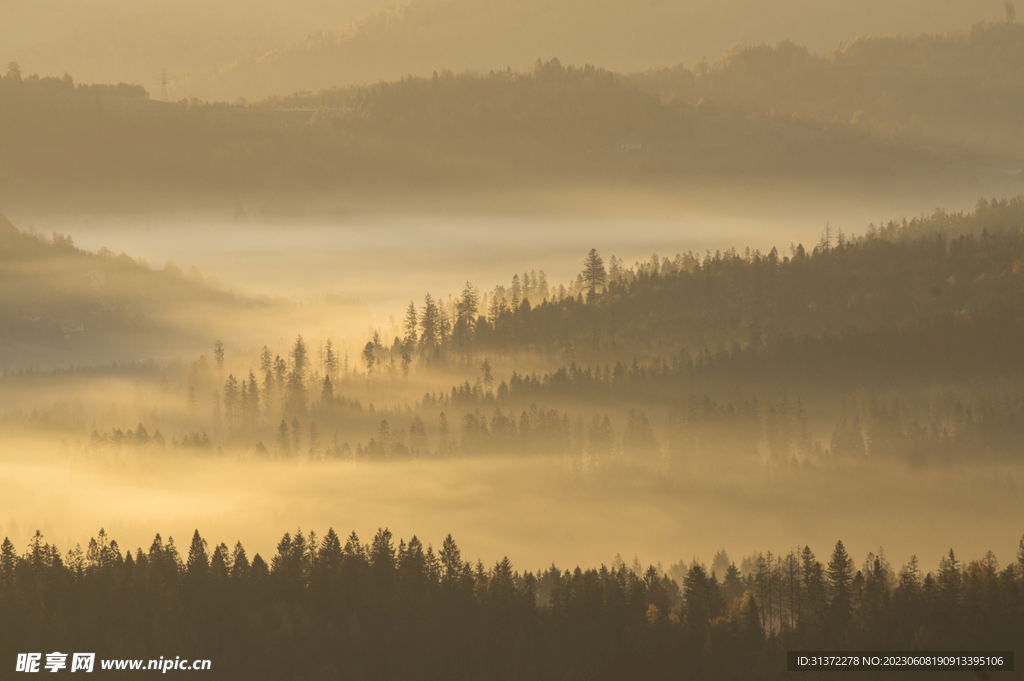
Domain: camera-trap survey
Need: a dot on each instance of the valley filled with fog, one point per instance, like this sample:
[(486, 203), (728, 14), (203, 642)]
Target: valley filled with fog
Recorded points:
[(570, 506), (537, 340)]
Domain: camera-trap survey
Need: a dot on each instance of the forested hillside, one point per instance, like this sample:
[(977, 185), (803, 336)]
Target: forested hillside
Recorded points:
[(417, 38), (113, 40), (550, 126), (959, 86), (899, 345), (903, 297), (59, 301)]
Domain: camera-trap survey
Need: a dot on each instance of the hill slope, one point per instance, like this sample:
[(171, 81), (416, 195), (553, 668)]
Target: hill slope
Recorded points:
[(966, 85), (84, 38), (60, 305), (427, 35)]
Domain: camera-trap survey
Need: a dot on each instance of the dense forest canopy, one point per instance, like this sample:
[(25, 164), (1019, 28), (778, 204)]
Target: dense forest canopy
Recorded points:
[(552, 124), (331, 608), (889, 290)]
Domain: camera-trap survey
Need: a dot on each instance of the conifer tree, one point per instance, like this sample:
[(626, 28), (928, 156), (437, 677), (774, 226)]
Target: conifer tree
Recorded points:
[(411, 325), (331, 361), (297, 376), (369, 356), (198, 563), (284, 443), (593, 273), (218, 355), (239, 562), (231, 399), (254, 399), (451, 561), (840, 580), (488, 377), (1020, 558)]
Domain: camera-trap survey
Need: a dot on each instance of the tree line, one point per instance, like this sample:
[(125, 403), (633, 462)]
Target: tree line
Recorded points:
[(907, 294), (550, 121), (338, 608)]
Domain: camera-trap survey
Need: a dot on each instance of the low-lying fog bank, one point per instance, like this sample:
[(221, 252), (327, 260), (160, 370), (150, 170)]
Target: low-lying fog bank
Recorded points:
[(534, 510)]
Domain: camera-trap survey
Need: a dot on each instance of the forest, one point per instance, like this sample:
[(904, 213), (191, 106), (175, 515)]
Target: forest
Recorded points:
[(418, 37), (932, 87), (756, 112), (338, 608), (698, 324), (625, 363)]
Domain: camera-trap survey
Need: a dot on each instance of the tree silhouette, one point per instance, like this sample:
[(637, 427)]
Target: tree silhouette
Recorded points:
[(593, 273), (840, 578)]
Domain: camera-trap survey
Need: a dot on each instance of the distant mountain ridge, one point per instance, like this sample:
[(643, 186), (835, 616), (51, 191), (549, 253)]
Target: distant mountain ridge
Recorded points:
[(108, 41), (427, 35), (966, 85)]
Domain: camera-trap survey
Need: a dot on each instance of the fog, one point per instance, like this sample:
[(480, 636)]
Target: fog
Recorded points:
[(223, 50), (71, 473), (383, 259), (578, 283), (530, 510)]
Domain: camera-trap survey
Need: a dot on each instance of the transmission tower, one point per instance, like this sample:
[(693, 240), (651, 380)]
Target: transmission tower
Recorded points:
[(163, 85)]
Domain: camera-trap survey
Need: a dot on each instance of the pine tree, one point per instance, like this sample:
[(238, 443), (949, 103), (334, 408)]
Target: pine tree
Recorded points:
[(283, 441), (217, 414), (369, 356), (239, 562), (198, 563), (266, 360), (231, 400), (331, 361), (254, 399), (218, 355), (1020, 558), (411, 324), (593, 273), (451, 561), (465, 315), (429, 342), (268, 392), (733, 583), (8, 561), (814, 589), (329, 556), (297, 376), (840, 579), (485, 369)]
